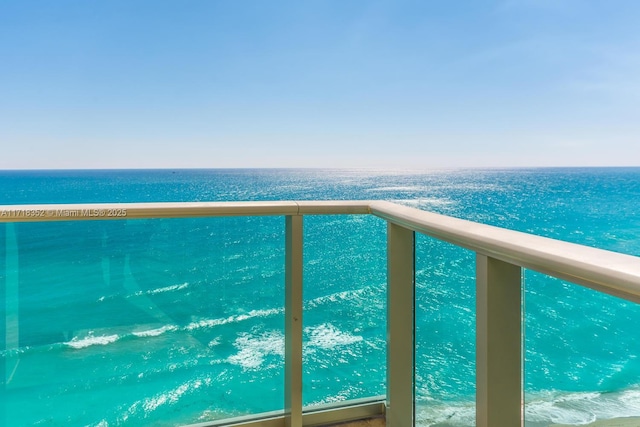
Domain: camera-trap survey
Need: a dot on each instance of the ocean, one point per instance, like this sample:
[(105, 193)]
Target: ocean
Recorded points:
[(177, 321)]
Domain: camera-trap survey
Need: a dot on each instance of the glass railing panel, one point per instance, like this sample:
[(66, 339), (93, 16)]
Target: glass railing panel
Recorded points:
[(344, 335), (582, 355), (445, 334), (142, 322)]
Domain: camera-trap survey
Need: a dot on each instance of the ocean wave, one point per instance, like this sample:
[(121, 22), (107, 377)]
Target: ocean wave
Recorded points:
[(209, 323), (581, 407), (155, 332), (172, 396), (551, 407), (91, 340), (150, 404), (353, 294), (541, 409), (106, 337)]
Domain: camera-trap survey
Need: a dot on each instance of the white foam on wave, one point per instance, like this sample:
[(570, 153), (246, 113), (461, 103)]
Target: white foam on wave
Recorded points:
[(327, 336), (548, 412), (90, 340), (631, 399), (582, 407), (214, 342), (252, 350), (172, 396), (338, 296), (155, 332), (552, 407), (209, 323)]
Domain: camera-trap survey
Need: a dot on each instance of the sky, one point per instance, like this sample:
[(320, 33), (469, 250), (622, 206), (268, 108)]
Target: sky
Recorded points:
[(319, 83)]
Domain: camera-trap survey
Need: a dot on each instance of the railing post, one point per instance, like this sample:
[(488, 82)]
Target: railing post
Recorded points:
[(293, 321), (400, 326), (498, 343)]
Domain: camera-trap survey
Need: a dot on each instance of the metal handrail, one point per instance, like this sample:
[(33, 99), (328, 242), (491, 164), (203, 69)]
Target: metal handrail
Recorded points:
[(610, 272)]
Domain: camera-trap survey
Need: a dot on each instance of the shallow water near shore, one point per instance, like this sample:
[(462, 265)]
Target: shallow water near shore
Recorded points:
[(169, 322)]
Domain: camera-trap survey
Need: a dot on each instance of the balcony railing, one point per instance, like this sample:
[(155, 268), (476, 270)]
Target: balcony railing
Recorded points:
[(501, 256)]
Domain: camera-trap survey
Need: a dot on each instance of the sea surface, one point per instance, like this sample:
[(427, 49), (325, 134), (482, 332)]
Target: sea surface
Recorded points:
[(178, 321)]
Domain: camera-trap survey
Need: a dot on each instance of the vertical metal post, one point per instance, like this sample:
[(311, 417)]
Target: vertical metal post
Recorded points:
[(400, 326), (293, 321), (498, 343)]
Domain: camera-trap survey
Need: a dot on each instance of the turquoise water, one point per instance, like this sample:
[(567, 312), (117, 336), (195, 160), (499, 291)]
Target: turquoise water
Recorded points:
[(169, 322)]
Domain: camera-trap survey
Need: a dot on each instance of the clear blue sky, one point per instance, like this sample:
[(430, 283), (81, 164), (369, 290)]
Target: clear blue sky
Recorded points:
[(344, 83)]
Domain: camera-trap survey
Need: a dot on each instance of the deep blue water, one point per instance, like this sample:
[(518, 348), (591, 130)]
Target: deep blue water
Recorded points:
[(169, 322)]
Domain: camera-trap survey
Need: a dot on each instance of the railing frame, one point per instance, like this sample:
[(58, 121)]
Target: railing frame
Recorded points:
[(400, 326), (293, 321), (500, 257)]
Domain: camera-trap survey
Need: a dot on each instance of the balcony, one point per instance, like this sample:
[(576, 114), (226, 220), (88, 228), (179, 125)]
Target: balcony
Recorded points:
[(501, 257)]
